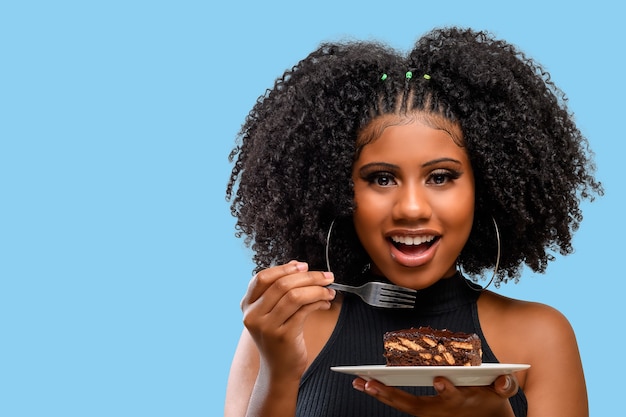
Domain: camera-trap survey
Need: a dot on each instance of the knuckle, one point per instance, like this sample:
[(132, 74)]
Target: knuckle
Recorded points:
[(283, 285), (249, 321), (262, 277), (294, 296)]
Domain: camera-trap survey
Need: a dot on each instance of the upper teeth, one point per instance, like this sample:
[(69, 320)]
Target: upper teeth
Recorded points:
[(412, 240)]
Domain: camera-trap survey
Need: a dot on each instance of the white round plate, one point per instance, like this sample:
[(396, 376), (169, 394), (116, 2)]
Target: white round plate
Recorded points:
[(407, 376)]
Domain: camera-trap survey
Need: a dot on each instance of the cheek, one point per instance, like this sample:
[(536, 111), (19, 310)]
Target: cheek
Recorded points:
[(463, 214), (456, 211), (368, 213), (369, 206)]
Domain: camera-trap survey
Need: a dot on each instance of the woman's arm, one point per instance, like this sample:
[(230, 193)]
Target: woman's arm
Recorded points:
[(555, 383), (242, 377), (251, 391), (272, 353)]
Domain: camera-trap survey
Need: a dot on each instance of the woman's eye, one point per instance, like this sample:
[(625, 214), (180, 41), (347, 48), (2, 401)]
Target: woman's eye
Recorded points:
[(382, 179), (442, 177)]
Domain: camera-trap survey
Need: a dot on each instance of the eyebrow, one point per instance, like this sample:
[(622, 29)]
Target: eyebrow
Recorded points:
[(440, 160), (378, 165)]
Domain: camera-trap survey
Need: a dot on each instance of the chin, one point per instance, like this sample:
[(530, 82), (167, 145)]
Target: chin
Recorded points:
[(414, 279)]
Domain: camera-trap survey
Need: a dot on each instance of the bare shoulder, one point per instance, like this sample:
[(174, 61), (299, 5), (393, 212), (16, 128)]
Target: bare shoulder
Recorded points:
[(540, 335), (531, 326), (533, 318)]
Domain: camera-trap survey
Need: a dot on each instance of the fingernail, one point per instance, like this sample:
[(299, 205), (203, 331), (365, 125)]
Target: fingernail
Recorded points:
[(370, 389), (328, 275), (439, 386), (302, 266), (357, 386)]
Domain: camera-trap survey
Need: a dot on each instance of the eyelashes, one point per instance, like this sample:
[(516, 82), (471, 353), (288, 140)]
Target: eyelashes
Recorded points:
[(380, 178), (386, 178), (443, 176)]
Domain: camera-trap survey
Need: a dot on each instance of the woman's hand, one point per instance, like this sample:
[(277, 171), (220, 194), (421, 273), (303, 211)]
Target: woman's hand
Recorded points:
[(275, 307), (450, 400)]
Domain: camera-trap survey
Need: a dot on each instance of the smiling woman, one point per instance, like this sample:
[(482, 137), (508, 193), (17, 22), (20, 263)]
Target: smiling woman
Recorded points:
[(413, 160)]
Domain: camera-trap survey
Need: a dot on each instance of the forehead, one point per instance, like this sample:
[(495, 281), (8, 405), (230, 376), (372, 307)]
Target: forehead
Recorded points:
[(374, 129), (411, 145)]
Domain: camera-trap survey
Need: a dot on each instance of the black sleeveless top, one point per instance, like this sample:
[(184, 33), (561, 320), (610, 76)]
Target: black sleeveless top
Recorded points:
[(357, 340)]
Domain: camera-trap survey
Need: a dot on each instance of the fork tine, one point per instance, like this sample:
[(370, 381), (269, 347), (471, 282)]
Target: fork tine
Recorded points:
[(390, 300), (379, 294), (397, 295), (395, 291), (392, 296), (386, 295), (402, 298), (394, 288), (392, 305)]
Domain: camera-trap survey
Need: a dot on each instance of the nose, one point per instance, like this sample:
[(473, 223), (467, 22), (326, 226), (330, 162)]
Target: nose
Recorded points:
[(412, 203)]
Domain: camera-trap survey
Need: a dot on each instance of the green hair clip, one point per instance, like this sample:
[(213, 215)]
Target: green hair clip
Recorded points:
[(408, 75)]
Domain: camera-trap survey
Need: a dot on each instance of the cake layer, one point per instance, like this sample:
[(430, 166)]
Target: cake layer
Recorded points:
[(425, 346)]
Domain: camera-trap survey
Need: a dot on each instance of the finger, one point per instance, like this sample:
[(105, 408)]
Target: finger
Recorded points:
[(294, 305), (276, 331), (262, 280), (506, 386), (359, 384), (286, 297), (452, 395), (394, 397), (295, 322), (297, 289), (444, 387)]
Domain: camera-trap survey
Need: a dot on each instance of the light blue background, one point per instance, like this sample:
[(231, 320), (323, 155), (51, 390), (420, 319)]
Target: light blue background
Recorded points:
[(120, 277)]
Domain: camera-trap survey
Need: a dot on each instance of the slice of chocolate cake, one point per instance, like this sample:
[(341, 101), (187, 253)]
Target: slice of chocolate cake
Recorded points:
[(425, 346)]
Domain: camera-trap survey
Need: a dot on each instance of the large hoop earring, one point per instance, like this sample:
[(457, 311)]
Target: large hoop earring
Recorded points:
[(497, 266), (327, 249), (365, 268)]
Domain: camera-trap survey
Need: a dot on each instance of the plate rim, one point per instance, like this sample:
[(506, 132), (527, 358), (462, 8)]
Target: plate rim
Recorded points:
[(480, 375), (483, 366)]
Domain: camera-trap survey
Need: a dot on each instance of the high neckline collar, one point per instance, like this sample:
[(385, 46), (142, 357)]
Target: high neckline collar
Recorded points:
[(445, 295)]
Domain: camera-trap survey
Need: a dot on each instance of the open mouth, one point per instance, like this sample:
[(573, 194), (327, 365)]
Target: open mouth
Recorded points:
[(413, 245)]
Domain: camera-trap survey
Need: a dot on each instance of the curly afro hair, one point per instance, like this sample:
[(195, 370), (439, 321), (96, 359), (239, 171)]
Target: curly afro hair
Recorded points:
[(293, 160)]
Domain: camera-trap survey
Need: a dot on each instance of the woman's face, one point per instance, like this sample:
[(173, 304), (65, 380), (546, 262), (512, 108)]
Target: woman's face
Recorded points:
[(414, 194)]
